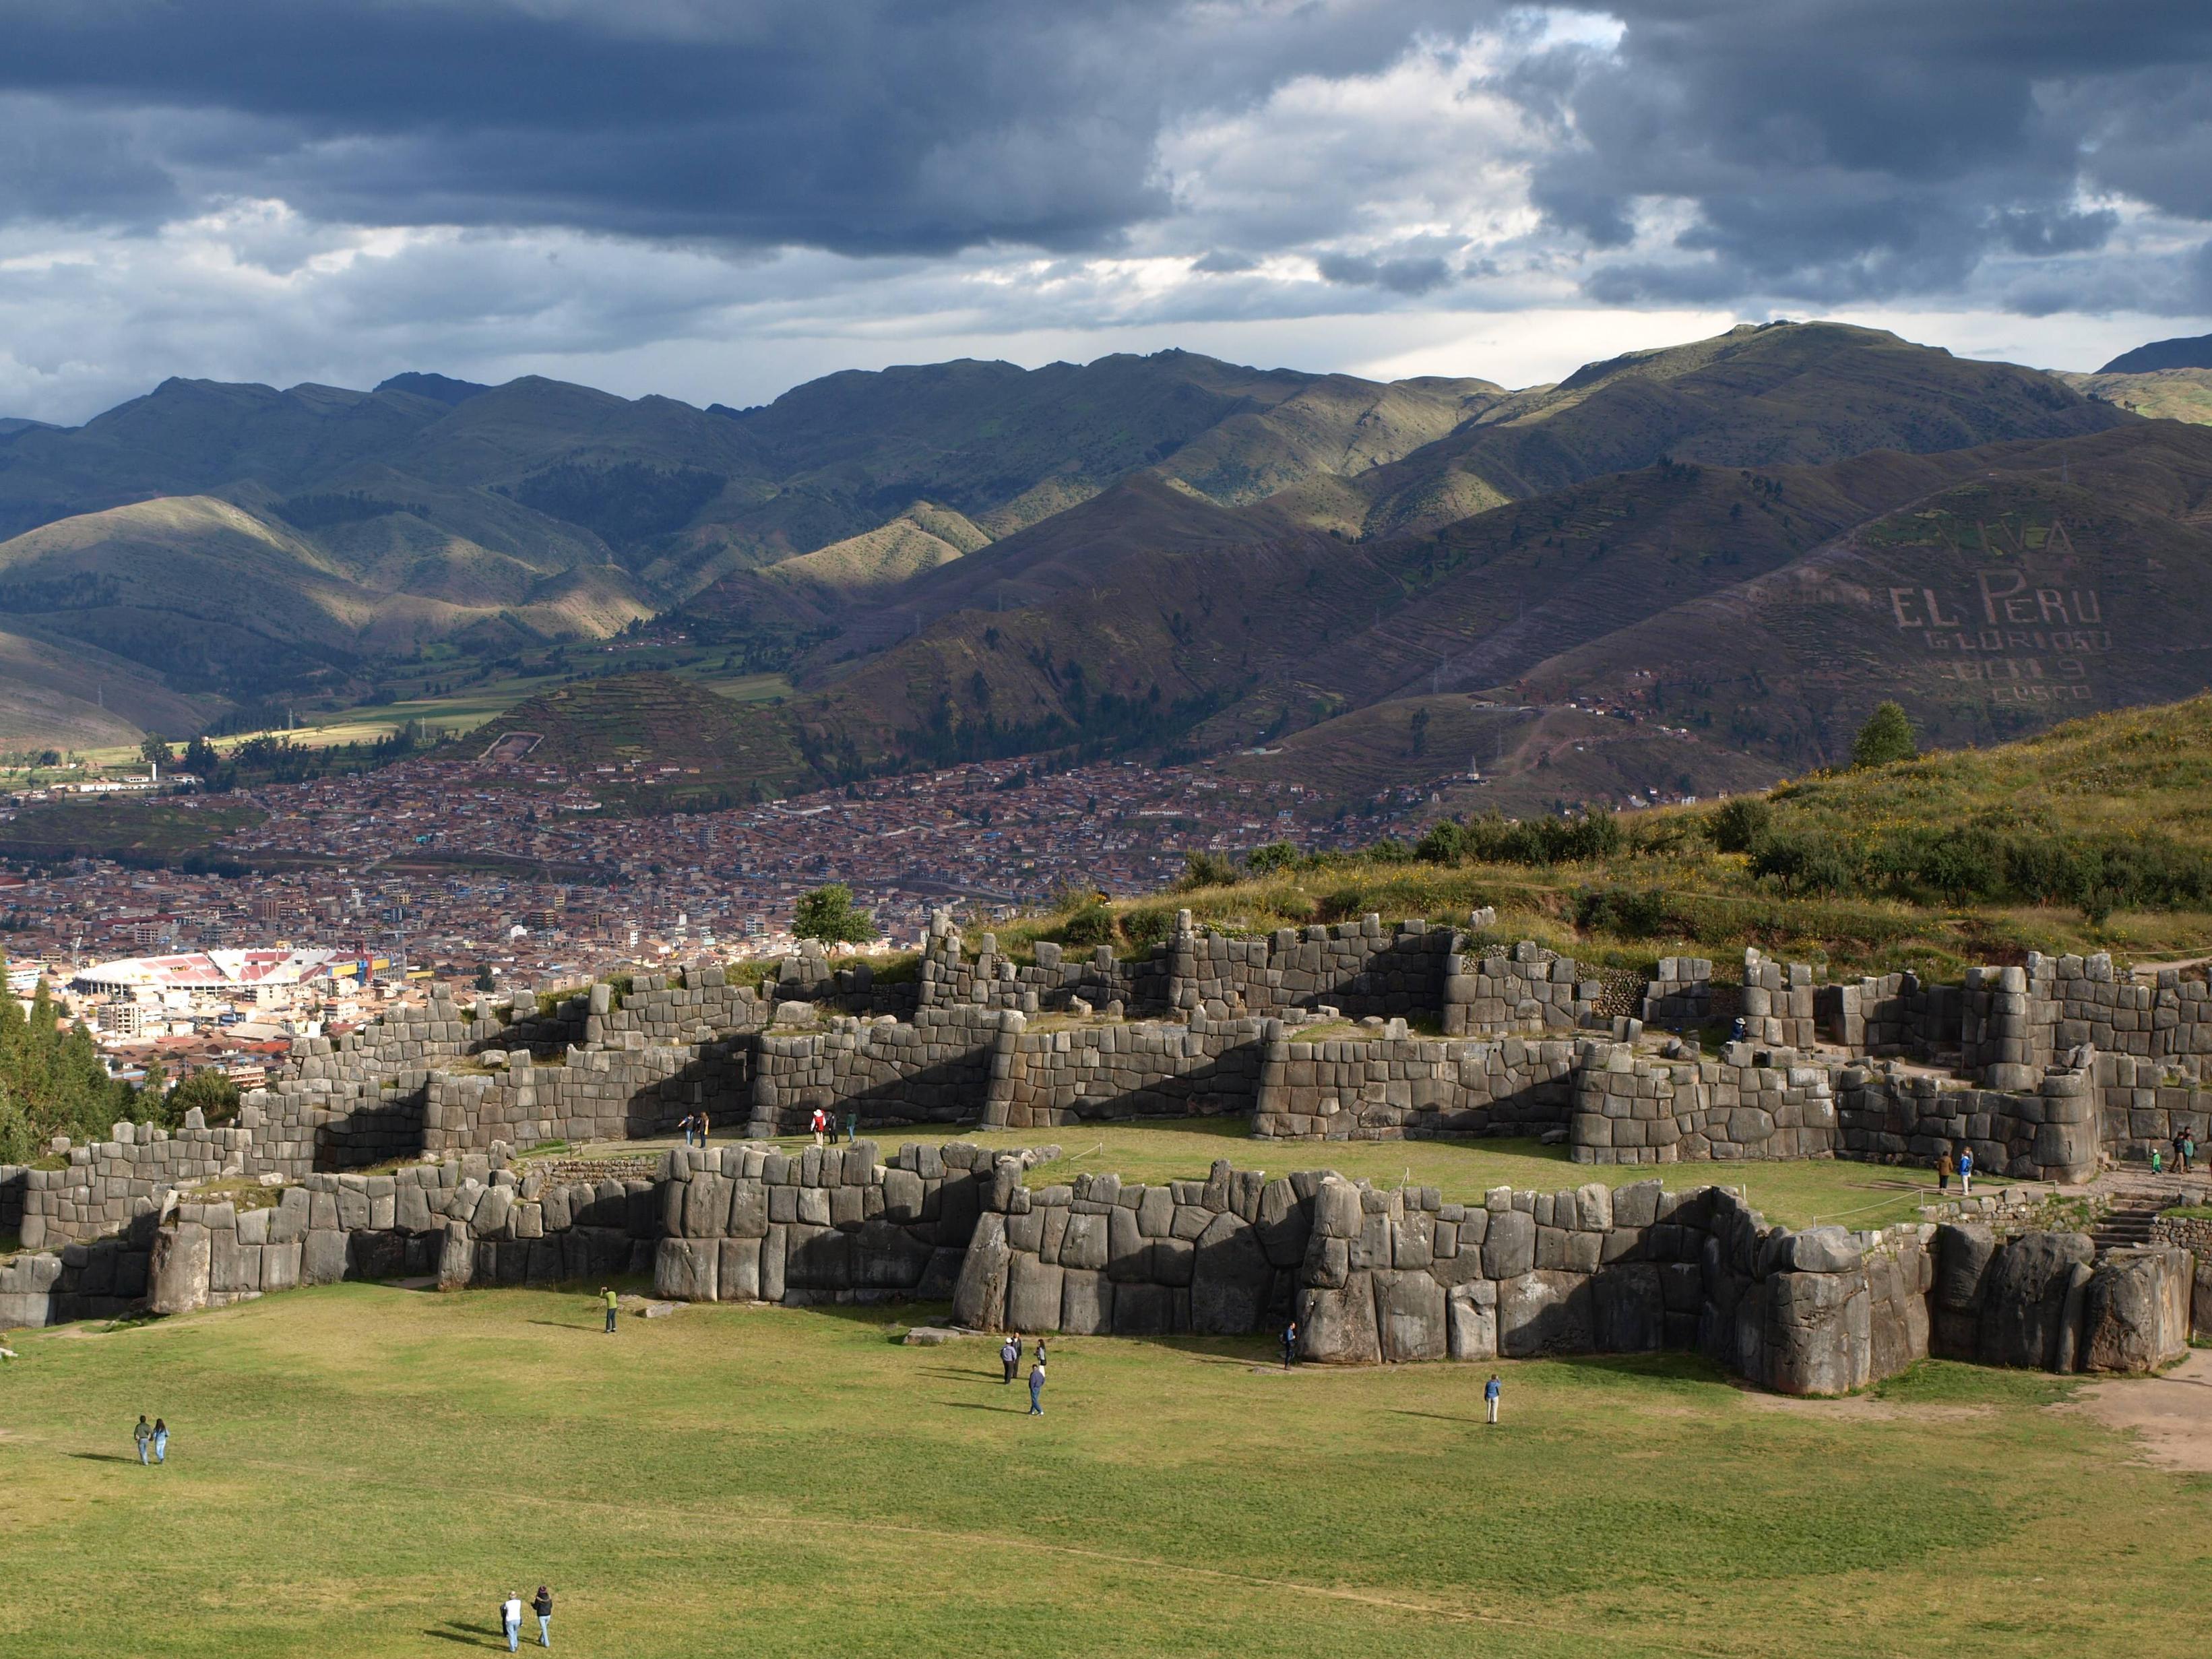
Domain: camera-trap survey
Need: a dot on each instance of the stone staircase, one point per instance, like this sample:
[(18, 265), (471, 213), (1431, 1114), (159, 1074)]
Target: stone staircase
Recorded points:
[(2126, 1225)]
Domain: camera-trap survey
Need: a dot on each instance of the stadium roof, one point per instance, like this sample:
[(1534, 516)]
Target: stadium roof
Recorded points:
[(206, 970)]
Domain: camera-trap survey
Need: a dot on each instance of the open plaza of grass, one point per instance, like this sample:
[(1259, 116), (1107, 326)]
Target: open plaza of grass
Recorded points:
[(369, 1469)]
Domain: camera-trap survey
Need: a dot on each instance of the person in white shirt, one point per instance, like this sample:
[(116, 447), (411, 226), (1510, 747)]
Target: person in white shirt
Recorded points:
[(510, 1617)]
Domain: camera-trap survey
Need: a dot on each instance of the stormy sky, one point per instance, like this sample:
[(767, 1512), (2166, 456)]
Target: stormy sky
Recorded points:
[(716, 201)]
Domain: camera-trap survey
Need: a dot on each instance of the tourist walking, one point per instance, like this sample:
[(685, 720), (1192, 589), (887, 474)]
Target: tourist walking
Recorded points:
[(2188, 1150), (1945, 1167), (607, 1295), (143, 1434), (820, 1125), (1490, 1390), (2181, 1151), (510, 1619), (1037, 1390), (543, 1606), (2156, 1167), (1290, 1344), (161, 1441), (852, 1128), (1009, 1355), (1966, 1171), (705, 1128)]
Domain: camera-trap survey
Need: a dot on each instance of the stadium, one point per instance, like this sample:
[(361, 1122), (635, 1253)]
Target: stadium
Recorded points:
[(211, 971)]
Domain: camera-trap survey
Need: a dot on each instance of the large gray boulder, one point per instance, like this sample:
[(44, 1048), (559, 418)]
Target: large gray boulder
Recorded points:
[(1509, 1249), (2023, 1299), (737, 1274), (1337, 1327), (183, 1261), (1631, 1305), (1963, 1255), (2136, 1317), (887, 1258), (1545, 1311), (686, 1269), (1471, 1314), (1410, 1320), (1230, 1279), (1819, 1332), (980, 1299), (323, 1258), (1033, 1294), (1086, 1302)]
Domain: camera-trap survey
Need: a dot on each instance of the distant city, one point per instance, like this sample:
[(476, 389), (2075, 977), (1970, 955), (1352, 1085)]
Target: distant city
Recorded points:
[(500, 871)]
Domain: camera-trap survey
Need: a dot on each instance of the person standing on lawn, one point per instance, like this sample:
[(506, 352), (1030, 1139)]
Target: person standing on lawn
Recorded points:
[(1290, 1345), (543, 1606), (143, 1434), (1037, 1390), (607, 1295), (1010, 1354), (1490, 1390)]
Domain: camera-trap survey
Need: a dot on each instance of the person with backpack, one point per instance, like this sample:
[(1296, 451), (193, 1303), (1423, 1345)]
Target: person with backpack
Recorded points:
[(1010, 1354), (510, 1620), (143, 1434), (1490, 1390), (1290, 1345), (543, 1606), (1966, 1171), (1037, 1389), (161, 1441), (820, 1124), (607, 1294)]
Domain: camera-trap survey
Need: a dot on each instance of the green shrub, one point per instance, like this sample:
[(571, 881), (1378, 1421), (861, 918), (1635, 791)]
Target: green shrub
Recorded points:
[(1089, 926), (1741, 824), (1204, 870)]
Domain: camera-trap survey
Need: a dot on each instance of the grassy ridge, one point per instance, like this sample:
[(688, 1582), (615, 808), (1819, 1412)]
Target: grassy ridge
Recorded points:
[(1919, 864)]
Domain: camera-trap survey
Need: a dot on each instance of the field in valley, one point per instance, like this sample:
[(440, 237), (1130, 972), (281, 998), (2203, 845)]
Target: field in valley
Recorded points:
[(366, 1470)]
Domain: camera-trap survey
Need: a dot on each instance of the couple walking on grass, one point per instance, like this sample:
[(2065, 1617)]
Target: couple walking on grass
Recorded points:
[(510, 1618), (152, 1436)]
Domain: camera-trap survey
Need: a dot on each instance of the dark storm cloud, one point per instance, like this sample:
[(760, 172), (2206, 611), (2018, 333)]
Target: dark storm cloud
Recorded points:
[(1850, 151), (1830, 150), (858, 125)]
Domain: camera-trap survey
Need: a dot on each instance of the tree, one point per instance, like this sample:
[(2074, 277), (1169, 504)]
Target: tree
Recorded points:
[(156, 752), (1887, 736), (827, 913), (484, 979), (1275, 855), (200, 758), (210, 1090)]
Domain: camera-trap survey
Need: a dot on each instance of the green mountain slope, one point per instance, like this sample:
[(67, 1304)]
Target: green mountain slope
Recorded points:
[(1760, 397), (2164, 394)]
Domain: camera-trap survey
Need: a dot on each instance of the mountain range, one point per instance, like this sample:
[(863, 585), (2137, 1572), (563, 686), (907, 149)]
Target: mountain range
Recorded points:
[(1678, 570)]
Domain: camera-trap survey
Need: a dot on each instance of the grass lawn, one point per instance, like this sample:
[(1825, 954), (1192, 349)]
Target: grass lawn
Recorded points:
[(361, 1470), (1798, 1194)]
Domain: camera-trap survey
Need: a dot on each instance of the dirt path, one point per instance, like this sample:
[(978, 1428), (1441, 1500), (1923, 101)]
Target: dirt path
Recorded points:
[(2172, 1415)]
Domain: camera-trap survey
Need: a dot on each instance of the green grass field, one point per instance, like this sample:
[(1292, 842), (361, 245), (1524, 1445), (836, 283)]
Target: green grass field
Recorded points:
[(364, 1470), (1797, 1194)]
